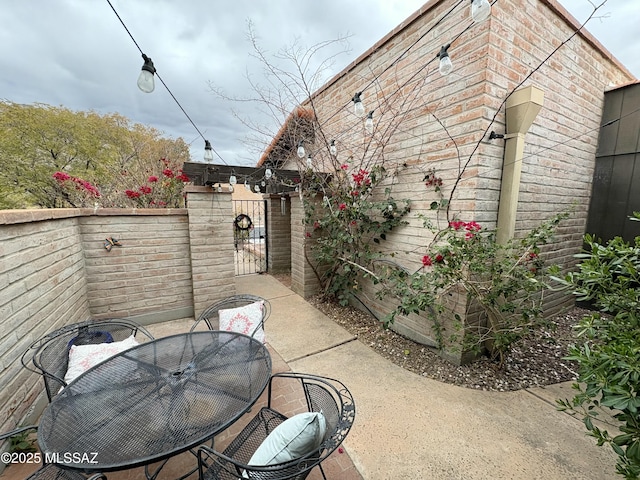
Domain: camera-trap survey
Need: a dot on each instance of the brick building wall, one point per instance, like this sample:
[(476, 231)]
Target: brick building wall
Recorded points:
[(426, 121)]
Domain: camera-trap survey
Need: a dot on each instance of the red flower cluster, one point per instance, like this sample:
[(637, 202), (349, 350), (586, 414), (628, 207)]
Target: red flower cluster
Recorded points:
[(81, 184), (342, 206), (468, 226), (431, 180), (152, 179), (361, 178), (426, 261), (132, 194), (344, 166)]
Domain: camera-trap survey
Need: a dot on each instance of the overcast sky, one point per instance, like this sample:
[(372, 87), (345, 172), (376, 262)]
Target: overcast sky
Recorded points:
[(76, 53)]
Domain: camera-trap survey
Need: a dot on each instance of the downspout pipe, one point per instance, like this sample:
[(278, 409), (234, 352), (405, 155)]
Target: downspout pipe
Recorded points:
[(522, 107)]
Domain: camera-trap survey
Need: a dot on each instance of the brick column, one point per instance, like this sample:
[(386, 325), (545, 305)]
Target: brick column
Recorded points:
[(303, 279), (211, 245), (279, 233)]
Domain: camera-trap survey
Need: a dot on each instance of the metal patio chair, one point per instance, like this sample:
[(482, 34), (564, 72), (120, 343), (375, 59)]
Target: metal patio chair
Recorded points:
[(211, 315), (322, 394), (50, 471), (49, 356)]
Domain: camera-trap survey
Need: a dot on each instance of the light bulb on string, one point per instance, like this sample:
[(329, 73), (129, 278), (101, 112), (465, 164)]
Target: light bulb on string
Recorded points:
[(268, 173), (358, 107), (263, 183), (368, 123), (480, 10), (333, 150), (300, 152), (309, 161), (219, 188), (146, 82), (231, 188), (257, 188), (208, 151), (247, 186), (232, 179), (446, 66)]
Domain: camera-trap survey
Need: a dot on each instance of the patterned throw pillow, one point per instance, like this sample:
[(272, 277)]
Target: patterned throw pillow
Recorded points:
[(83, 357), (244, 320)]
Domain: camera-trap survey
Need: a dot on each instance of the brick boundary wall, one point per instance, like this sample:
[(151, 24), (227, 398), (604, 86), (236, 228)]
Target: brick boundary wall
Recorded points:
[(55, 271)]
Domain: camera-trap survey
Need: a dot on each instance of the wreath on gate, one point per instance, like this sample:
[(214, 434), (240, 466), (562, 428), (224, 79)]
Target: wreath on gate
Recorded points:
[(243, 222)]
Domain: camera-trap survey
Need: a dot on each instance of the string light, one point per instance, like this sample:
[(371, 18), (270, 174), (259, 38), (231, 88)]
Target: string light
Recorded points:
[(146, 83), (309, 161), (301, 153), (246, 185), (268, 173), (446, 66), (368, 123), (333, 150), (232, 179), (231, 188), (480, 10), (208, 151), (358, 107), (219, 188), (256, 188)]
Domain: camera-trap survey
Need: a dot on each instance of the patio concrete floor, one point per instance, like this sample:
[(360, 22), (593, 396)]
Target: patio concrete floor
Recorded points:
[(408, 426)]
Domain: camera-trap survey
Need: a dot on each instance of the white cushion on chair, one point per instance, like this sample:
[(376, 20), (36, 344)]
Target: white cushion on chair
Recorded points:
[(83, 357), (243, 320), (293, 438)]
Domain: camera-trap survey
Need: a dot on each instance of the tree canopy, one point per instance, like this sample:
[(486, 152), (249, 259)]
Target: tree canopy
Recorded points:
[(56, 157)]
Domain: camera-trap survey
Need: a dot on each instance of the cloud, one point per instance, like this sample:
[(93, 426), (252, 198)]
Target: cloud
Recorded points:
[(77, 54)]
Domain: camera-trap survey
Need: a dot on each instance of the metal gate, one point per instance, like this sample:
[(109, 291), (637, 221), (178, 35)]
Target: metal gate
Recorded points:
[(250, 236)]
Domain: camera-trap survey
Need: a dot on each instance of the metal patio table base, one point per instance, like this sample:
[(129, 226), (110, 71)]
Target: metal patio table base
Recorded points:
[(155, 401)]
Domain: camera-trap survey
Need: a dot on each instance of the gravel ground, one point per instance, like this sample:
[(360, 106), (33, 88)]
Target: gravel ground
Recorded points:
[(535, 361)]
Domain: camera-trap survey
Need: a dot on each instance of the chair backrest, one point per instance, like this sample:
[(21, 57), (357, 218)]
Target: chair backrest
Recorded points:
[(211, 318), (49, 356), (327, 395)]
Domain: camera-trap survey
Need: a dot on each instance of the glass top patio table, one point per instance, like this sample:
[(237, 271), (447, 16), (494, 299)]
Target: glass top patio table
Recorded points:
[(154, 401)]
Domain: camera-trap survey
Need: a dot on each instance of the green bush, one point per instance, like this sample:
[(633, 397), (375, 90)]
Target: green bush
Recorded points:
[(609, 357)]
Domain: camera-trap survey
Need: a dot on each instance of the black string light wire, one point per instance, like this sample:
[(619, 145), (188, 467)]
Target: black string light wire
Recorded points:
[(208, 146)]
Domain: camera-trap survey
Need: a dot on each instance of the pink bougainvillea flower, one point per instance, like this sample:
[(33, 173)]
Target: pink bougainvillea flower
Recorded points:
[(308, 235), (468, 235), (472, 226), (183, 178), (426, 261), (132, 194), (316, 225), (145, 189), (353, 223), (456, 224), (355, 193), (61, 176), (439, 258), (342, 206), (167, 172), (152, 179), (344, 166)]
